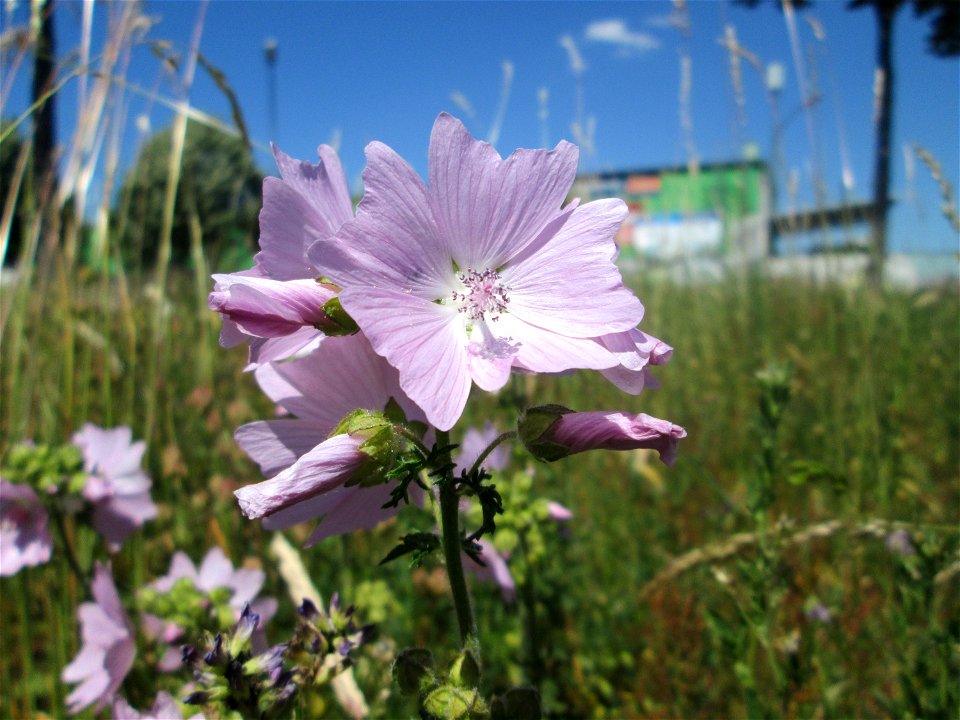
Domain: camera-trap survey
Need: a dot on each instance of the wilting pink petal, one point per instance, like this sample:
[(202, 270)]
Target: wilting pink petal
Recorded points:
[(116, 485), (482, 271), (327, 466), (108, 647), (551, 432), (635, 351), (24, 538)]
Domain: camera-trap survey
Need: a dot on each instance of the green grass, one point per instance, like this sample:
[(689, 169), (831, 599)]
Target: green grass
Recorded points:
[(875, 401)]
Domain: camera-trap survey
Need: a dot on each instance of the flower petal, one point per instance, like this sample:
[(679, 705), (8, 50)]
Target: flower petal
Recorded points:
[(424, 341), (275, 445), (359, 508), (487, 208), (328, 465), (571, 285)]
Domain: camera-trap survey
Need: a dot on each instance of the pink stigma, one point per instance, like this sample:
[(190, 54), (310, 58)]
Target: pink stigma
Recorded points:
[(483, 294)]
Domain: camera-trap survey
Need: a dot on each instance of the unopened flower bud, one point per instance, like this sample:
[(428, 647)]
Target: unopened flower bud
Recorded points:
[(551, 432)]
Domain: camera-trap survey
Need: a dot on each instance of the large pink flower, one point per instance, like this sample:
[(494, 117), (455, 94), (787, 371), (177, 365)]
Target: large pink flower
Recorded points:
[(482, 270), (24, 538), (309, 470), (116, 485), (108, 647), (277, 306)]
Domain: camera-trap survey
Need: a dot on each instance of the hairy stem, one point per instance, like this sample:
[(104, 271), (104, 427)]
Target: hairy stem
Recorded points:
[(450, 529), (509, 435), (68, 548)]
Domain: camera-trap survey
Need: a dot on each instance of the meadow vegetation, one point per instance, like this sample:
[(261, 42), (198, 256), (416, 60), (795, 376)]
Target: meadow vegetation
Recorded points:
[(800, 559)]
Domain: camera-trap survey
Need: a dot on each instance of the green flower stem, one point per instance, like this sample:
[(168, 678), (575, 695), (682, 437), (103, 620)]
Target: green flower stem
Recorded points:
[(68, 548), (450, 529)]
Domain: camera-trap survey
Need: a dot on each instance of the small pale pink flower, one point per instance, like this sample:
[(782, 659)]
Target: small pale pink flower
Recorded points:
[(482, 270), (108, 647), (557, 512), (277, 306), (551, 432), (116, 484), (24, 538), (309, 470)]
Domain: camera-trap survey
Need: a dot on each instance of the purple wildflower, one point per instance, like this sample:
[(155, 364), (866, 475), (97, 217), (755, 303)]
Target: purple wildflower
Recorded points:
[(482, 270), (635, 351), (899, 542), (108, 647), (277, 306), (116, 485), (24, 538), (309, 470), (819, 612), (551, 432)]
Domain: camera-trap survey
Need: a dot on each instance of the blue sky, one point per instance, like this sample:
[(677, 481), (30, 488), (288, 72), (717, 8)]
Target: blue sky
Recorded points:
[(349, 73)]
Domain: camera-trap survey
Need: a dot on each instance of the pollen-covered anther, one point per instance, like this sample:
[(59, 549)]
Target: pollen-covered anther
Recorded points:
[(483, 294)]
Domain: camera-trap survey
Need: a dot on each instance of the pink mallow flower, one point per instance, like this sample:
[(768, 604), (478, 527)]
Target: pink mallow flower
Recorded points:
[(309, 468), (482, 270), (116, 485), (551, 432), (24, 538), (277, 306), (108, 647)]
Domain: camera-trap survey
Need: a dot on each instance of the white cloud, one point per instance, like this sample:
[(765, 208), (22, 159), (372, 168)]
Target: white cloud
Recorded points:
[(577, 65), (616, 32)]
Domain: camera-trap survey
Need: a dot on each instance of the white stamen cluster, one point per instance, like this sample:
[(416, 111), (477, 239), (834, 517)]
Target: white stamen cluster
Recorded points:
[(483, 294)]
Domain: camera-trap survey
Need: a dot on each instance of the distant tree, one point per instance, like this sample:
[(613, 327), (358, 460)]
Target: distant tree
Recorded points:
[(943, 41), (9, 153), (218, 180)]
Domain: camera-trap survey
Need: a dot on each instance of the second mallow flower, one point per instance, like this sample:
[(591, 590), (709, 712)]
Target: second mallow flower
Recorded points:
[(551, 432)]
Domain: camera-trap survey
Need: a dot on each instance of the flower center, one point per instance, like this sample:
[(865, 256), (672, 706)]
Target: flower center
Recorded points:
[(482, 294)]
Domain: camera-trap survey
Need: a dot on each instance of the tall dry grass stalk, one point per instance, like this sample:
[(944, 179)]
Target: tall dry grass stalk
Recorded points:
[(178, 136)]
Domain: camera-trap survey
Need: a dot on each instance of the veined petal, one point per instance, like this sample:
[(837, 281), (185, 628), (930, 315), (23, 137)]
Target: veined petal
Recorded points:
[(489, 209), (544, 351), (289, 347), (393, 242), (358, 508), (581, 431), (287, 229), (264, 307), (328, 465), (571, 284), (343, 374), (324, 185), (424, 341), (275, 445)]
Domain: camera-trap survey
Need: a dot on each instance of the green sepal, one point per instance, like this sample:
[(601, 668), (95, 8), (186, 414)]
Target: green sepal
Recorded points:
[(340, 321), (465, 671), (533, 428), (452, 703), (413, 670)]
